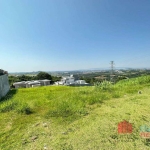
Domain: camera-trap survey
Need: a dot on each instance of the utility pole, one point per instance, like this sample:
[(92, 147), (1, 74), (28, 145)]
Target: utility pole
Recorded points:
[(112, 70)]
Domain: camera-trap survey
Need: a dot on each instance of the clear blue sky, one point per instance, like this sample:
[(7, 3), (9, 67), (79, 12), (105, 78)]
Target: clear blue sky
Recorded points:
[(51, 35)]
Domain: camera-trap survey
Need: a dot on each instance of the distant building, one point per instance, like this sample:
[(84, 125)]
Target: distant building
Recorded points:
[(118, 71), (80, 82), (70, 80), (27, 84), (66, 80), (19, 84)]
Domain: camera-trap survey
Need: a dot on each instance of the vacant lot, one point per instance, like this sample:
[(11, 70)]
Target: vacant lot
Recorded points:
[(75, 118)]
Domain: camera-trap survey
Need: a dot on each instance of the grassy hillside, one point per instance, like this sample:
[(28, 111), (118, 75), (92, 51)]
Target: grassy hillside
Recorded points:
[(75, 118)]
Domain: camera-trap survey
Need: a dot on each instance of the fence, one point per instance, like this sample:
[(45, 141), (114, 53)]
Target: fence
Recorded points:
[(4, 85)]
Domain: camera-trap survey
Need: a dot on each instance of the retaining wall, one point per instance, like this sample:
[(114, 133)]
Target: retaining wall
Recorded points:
[(4, 85)]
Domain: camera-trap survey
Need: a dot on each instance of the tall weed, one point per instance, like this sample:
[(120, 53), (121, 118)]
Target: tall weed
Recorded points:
[(8, 106), (105, 85), (24, 108)]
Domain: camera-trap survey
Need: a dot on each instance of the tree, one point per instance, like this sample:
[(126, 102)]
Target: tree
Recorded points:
[(55, 79), (44, 75)]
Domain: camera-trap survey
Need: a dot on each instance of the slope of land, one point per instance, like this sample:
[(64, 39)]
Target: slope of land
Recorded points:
[(75, 118)]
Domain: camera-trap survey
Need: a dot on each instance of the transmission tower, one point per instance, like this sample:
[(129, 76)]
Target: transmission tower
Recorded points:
[(112, 71)]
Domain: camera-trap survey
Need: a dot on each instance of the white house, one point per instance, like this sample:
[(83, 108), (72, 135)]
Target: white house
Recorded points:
[(70, 80), (27, 84), (44, 82), (19, 84), (80, 82), (66, 80), (32, 83)]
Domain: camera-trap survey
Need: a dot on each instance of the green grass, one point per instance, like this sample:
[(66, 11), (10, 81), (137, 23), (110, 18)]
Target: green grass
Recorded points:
[(75, 118)]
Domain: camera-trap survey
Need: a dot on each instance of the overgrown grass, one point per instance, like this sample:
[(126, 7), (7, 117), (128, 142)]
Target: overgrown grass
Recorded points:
[(69, 101), (9, 104), (75, 117)]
